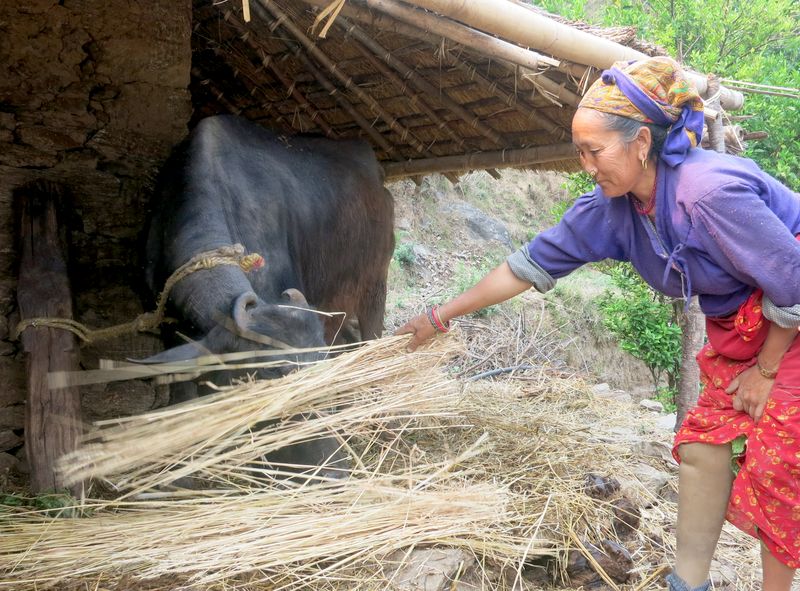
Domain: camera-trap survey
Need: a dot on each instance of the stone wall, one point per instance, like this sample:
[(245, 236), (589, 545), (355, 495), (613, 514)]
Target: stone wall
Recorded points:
[(93, 95)]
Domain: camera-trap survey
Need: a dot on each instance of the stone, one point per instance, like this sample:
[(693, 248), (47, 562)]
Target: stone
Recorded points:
[(50, 140), (627, 516), (9, 439), (615, 561), (12, 417), (600, 487), (8, 121), (428, 569), (478, 222), (651, 405), (605, 392), (22, 459), (654, 449), (642, 392), (723, 575), (650, 478), (667, 422), (19, 156), (669, 492), (14, 390), (7, 464)]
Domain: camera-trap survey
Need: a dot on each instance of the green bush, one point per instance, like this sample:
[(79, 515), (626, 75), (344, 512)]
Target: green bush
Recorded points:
[(645, 326), (404, 254)]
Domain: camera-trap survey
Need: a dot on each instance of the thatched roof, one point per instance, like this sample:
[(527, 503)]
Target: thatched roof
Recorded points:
[(430, 93)]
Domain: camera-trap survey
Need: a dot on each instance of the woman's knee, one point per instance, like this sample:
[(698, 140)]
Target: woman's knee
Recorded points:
[(704, 455)]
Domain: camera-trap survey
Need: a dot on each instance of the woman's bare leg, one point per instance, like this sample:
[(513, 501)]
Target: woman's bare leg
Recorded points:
[(777, 576), (703, 492)]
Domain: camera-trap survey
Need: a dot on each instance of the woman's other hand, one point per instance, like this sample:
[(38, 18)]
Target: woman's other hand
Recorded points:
[(420, 329), (750, 392)]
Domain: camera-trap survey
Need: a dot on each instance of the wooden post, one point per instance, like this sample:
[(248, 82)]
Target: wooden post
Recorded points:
[(692, 322), (52, 417)]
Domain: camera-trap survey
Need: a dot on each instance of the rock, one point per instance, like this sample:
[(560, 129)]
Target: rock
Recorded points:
[(621, 434), (7, 464), (652, 405), (50, 140), (421, 252), (22, 458), (12, 417), (599, 389), (615, 561), (617, 395), (627, 516), (14, 388), (478, 222), (600, 487), (723, 575), (654, 449), (669, 492), (430, 569), (640, 393), (9, 439), (650, 478), (667, 422), (116, 399)]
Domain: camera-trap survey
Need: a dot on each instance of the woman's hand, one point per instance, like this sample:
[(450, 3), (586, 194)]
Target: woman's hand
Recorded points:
[(750, 392), (420, 329)]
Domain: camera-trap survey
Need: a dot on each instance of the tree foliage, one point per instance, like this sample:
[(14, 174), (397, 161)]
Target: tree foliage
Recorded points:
[(752, 40), (645, 326)]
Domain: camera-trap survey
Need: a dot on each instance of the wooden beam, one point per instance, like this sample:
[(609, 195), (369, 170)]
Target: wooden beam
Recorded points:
[(52, 417), (481, 160)]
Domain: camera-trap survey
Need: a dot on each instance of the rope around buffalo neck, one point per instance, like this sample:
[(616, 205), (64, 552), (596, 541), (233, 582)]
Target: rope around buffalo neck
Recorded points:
[(224, 255)]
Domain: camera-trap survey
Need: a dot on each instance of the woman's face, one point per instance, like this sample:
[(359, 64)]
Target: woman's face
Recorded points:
[(615, 165)]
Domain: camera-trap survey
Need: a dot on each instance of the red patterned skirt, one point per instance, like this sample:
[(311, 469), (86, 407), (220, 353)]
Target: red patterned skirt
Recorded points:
[(765, 500)]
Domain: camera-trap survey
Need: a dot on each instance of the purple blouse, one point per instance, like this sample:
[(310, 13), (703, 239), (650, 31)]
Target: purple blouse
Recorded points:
[(723, 227)]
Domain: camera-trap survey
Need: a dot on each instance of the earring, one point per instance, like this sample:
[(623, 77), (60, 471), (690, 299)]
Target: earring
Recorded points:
[(644, 163)]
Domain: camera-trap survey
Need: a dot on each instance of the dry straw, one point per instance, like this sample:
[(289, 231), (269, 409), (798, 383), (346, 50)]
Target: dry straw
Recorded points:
[(495, 468)]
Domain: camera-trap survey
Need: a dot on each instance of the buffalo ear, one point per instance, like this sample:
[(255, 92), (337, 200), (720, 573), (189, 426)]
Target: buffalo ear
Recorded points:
[(242, 307), (174, 355), (295, 297)]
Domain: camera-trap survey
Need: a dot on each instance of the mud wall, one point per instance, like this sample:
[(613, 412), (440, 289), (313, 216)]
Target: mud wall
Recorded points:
[(93, 95)]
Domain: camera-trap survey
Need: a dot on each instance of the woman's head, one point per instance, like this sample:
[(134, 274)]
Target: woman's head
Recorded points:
[(614, 149), (652, 94)]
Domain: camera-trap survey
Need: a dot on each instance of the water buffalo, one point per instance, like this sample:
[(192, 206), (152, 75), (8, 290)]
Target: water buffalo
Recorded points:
[(314, 208)]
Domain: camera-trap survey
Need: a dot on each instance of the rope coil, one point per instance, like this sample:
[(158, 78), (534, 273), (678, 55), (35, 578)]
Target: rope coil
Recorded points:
[(224, 255)]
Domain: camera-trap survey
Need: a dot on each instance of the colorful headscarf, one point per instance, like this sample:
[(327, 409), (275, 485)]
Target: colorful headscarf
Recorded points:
[(655, 90)]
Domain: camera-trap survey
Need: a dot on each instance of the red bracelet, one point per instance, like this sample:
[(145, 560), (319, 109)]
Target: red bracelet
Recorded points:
[(436, 321)]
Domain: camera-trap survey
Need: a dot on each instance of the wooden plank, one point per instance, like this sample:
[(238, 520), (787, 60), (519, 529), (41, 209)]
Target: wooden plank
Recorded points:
[(52, 417)]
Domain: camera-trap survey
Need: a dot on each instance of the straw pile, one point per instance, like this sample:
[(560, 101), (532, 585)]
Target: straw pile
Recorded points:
[(496, 469)]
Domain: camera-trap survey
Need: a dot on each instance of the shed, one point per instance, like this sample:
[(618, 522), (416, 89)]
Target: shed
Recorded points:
[(96, 93)]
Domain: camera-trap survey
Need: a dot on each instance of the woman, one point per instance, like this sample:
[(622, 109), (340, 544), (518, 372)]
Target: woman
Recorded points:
[(690, 221)]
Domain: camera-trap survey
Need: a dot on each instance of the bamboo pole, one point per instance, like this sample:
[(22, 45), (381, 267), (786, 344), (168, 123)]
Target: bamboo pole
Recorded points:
[(519, 25), (387, 23), (481, 160), (485, 44), (286, 23), (418, 24)]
